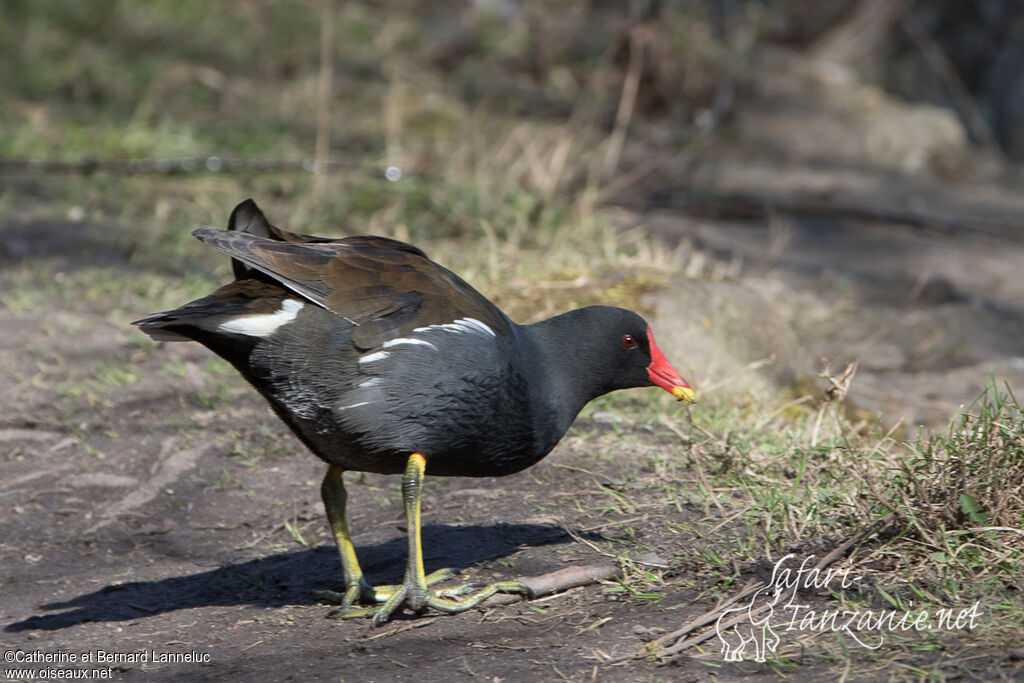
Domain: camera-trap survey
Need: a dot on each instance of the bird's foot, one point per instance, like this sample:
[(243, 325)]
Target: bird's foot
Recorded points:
[(362, 593), (418, 598), (358, 593)]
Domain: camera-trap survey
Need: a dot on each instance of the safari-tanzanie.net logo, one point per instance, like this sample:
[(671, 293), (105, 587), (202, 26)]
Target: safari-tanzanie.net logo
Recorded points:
[(752, 629)]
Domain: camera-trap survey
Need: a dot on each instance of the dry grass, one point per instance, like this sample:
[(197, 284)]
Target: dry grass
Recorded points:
[(972, 478)]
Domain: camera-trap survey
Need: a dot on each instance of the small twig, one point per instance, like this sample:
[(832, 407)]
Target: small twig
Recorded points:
[(707, 387), (695, 640), (834, 394), (256, 541), (664, 419), (597, 623), (419, 623), (579, 539), (996, 528), (841, 549), (781, 409), (557, 581), (605, 525), (658, 647), (724, 522), (705, 618), (573, 468)]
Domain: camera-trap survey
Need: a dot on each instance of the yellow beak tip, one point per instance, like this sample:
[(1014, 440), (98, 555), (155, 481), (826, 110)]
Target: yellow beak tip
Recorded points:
[(684, 394)]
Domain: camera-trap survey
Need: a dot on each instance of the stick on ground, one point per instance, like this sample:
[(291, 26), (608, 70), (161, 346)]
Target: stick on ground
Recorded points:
[(558, 581)]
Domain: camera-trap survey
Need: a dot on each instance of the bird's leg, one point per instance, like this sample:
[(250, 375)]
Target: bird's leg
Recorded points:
[(332, 490), (415, 591), (357, 590)]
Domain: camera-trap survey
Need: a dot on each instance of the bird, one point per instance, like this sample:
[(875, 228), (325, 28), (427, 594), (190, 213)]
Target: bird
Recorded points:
[(380, 360)]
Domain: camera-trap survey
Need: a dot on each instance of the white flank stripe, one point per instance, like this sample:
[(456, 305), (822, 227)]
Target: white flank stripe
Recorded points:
[(354, 405), (264, 324), (461, 326), (370, 383), (473, 322), (406, 340), (380, 355)]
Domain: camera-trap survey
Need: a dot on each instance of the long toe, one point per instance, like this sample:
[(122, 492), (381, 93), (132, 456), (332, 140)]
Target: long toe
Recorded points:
[(353, 595), (442, 600), (364, 594), (360, 593), (451, 600), (434, 577)]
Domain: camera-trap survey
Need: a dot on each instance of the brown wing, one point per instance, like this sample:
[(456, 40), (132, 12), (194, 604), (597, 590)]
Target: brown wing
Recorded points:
[(385, 287)]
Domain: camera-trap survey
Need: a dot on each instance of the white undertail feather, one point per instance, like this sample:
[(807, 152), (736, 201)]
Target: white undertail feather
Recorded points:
[(264, 324)]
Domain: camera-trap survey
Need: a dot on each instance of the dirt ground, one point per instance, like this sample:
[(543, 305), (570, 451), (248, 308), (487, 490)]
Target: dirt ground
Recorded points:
[(148, 523), (152, 504), (159, 523)]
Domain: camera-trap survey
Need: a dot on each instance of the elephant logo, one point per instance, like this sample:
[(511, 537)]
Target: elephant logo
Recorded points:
[(750, 625)]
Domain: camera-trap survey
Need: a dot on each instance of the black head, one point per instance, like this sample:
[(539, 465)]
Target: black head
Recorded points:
[(603, 348)]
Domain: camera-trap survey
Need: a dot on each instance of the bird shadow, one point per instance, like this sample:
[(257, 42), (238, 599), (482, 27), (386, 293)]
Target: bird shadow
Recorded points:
[(289, 578)]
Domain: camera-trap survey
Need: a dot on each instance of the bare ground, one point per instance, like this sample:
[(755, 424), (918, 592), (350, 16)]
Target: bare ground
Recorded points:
[(138, 518), (154, 504)]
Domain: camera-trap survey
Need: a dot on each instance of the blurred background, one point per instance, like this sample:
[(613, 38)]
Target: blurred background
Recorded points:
[(815, 203), (784, 185)]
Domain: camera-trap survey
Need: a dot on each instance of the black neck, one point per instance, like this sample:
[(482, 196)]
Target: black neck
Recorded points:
[(564, 364)]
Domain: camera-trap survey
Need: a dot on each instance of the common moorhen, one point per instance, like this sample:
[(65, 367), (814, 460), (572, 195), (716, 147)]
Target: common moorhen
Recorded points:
[(380, 360)]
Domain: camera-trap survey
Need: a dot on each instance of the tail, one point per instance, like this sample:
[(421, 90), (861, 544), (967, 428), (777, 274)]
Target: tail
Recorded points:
[(249, 308), (188, 321), (253, 293), (155, 327)]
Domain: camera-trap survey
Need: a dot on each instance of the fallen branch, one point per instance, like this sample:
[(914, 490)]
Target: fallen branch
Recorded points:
[(673, 643), (659, 646), (841, 549), (558, 581)]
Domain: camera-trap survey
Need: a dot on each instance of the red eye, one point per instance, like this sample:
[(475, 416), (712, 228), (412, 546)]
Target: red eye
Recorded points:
[(629, 341)]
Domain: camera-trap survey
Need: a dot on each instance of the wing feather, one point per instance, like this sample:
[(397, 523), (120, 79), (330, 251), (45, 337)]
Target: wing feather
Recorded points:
[(386, 288)]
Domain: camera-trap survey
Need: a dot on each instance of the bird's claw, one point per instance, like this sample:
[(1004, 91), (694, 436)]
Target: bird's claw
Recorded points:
[(357, 593), (362, 593), (421, 598)]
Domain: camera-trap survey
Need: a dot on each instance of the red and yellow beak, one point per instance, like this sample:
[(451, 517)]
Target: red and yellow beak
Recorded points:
[(664, 375)]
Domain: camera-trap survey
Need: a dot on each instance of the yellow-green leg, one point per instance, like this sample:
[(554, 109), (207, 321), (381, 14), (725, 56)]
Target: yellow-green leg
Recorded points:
[(415, 591), (357, 590), (335, 498)]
